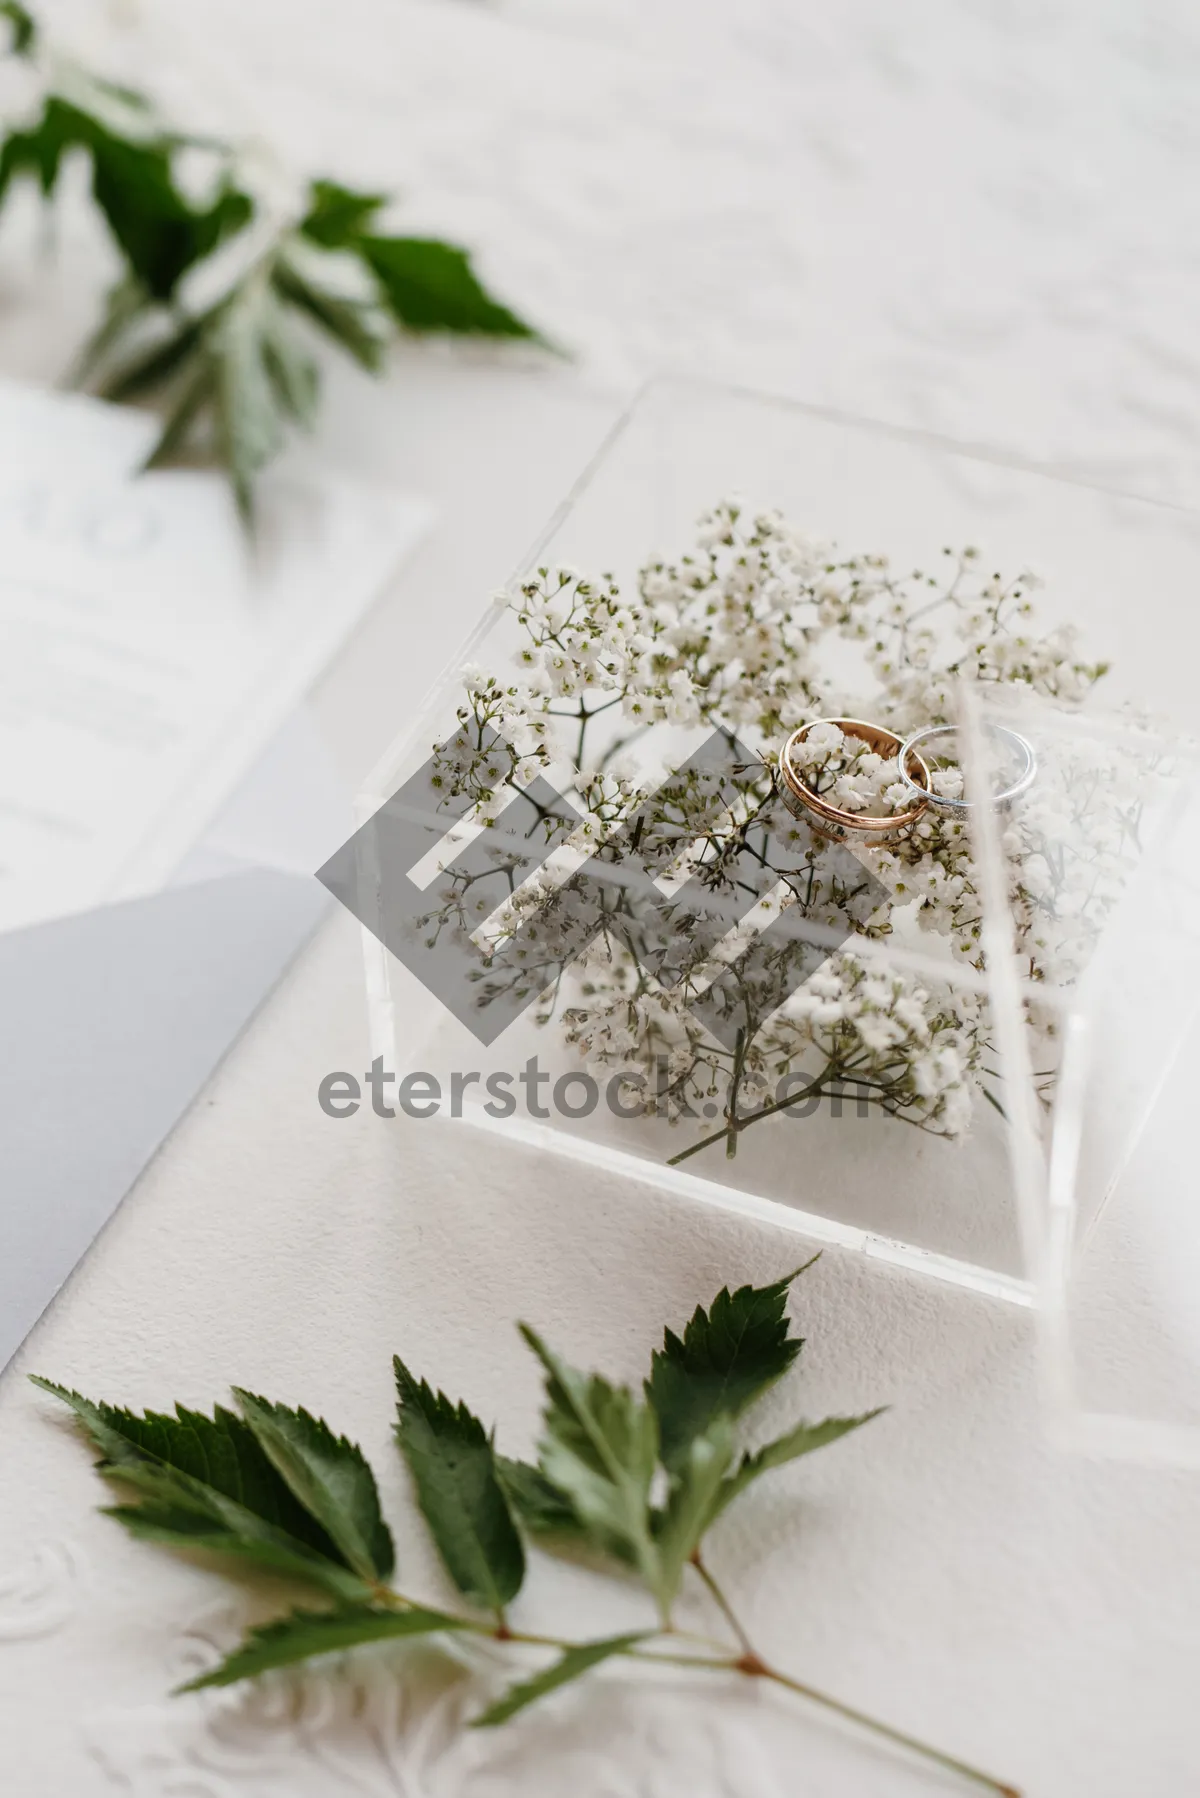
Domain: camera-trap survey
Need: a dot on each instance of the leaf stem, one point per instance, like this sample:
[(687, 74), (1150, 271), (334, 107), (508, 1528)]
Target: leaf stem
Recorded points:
[(751, 1663), (723, 1663), (722, 1603), (746, 1661), (700, 1640), (964, 1770)]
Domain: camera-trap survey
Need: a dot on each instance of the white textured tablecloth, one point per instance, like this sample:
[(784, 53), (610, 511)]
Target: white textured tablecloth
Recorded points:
[(980, 217)]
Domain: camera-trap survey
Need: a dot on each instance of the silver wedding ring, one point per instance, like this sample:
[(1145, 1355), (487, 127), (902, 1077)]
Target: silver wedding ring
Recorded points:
[(924, 739)]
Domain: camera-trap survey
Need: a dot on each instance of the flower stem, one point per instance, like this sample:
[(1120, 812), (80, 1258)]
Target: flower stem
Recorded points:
[(735, 1082), (814, 1090)]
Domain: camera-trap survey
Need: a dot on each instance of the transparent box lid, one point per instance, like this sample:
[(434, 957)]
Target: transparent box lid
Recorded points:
[(579, 881)]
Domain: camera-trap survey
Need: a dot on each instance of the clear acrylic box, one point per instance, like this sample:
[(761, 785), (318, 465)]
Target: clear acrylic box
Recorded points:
[(1103, 877), (902, 1152)]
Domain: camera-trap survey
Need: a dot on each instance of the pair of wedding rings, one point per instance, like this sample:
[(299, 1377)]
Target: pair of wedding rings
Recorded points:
[(870, 828)]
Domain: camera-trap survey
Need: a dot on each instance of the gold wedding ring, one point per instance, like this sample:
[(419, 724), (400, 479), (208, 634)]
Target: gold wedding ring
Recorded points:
[(830, 820)]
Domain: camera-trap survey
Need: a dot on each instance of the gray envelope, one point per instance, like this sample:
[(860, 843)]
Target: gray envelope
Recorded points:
[(114, 1019)]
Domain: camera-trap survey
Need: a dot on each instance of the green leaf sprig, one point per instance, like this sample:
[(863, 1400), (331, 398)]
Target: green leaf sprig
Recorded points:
[(631, 1480), (233, 376)]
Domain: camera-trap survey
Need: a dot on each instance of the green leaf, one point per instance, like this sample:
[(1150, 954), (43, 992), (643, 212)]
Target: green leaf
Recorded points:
[(347, 322), (453, 1465), (126, 304), (242, 366), (329, 1476), (542, 1508), (183, 1514), (249, 423), (801, 1440), (24, 31), (430, 286), (727, 1357), (547, 1515), (207, 1483), (218, 1453), (158, 230), (304, 1634), (160, 233), (241, 363), (600, 1450), (337, 215), (156, 365), (292, 374), (196, 397), (39, 150), (574, 1663), (174, 1526), (690, 1506)]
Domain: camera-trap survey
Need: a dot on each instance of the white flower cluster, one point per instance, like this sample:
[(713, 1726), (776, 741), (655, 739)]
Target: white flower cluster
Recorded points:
[(627, 1022), (1073, 848), (736, 619), (922, 633), (920, 1048), (848, 773), (729, 637)]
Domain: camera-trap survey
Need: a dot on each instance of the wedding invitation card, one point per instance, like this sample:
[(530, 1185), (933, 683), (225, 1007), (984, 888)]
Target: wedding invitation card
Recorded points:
[(148, 650)]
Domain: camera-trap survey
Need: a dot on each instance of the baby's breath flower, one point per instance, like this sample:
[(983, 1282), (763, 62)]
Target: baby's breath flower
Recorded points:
[(730, 635)]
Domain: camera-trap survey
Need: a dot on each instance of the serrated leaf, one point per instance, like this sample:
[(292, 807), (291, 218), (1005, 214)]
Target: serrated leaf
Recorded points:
[(208, 1477), (453, 1465), (727, 1357), (171, 1498), (546, 1514), (541, 1507), (600, 1450), (337, 215), (174, 1526), (803, 1439), (303, 1635), (329, 1476), (430, 286), (348, 322), (690, 1505), (572, 1665), (219, 1453)]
